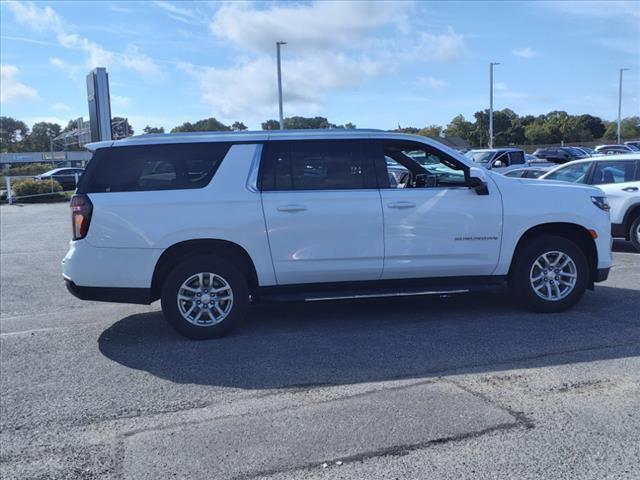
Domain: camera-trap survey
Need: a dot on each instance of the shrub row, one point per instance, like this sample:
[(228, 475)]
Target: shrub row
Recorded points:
[(47, 190), (24, 170)]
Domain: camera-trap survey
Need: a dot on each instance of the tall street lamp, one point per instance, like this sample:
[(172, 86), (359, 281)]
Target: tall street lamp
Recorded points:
[(491, 65), (620, 103), (278, 44)]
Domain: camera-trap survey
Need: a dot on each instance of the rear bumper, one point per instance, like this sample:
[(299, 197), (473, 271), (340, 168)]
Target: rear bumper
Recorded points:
[(110, 294), (601, 274)]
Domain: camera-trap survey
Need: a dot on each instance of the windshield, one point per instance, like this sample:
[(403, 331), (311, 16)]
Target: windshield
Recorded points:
[(575, 151), (480, 156)]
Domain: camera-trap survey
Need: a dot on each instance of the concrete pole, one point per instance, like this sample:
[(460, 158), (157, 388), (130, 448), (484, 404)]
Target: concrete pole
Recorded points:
[(278, 44), (620, 105)]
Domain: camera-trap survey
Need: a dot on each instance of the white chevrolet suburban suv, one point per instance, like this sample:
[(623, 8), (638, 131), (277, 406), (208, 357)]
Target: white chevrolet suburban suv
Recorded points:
[(210, 222)]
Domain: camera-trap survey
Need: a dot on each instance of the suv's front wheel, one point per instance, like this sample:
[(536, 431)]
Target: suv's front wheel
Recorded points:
[(549, 274), (205, 297)]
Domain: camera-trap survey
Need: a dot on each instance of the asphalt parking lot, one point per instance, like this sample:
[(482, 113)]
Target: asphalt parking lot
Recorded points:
[(412, 388)]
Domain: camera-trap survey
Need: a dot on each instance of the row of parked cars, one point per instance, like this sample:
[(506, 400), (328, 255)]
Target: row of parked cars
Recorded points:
[(614, 169)]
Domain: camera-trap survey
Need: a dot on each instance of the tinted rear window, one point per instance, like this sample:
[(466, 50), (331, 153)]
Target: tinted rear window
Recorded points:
[(317, 165), (152, 167)]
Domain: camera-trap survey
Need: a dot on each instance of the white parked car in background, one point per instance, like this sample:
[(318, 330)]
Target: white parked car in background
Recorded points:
[(209, 222), (619, 178)]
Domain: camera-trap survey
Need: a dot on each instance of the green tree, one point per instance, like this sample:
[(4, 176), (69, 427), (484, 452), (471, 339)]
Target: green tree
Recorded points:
[(595, 125), (147, 130), (238, 126), (459, 127), (432, 131), (205, 125), (13, 134), (42, 133), (629, 128), (411, 130), (302, 123), (271, 125), (536, 133), (306, 123), (481, 128)]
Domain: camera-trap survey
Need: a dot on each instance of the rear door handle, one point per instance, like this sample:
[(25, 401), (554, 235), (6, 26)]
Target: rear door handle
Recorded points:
[(292, 208), (401, 205), (630, 189)]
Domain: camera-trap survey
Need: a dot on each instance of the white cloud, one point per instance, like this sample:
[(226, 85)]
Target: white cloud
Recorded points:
[(140, 63), (42, 19), (60, 106), (97, 55), (180, 14), (431, 82), (47, 20), (121, 101), (11, 90), (318, 25), (500, 86), (445, 47), (250, 90), (525, 52), (58, 62), (330, 46)]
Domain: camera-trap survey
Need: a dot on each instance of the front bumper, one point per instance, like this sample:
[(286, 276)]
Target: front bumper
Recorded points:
[(601, 274)]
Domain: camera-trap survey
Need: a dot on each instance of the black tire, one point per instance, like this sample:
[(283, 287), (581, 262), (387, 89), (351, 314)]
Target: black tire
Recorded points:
[(521, 286), (634, 235), (224, 270)]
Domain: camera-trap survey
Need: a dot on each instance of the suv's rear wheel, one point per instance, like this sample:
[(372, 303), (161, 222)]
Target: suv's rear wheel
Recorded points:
[(550, 274), (205, 297), (634, 233)]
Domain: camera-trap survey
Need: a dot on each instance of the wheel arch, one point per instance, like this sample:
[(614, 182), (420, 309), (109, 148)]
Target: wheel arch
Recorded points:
[(571, 231), (180, 251), (632, 212)]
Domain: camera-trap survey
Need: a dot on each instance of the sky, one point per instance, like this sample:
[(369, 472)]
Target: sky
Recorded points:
[(376, 64)]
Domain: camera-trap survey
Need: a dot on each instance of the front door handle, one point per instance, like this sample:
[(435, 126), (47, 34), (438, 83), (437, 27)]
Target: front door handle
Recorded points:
[(630, 189), (401, 205), (292, 208)]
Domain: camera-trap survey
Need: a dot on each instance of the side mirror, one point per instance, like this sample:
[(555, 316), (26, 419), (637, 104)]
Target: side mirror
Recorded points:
[(478, 180), (498, 164)]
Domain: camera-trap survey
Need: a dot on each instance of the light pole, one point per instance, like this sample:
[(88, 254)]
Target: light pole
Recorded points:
[(280, 84), (491, 103), (620, 103)]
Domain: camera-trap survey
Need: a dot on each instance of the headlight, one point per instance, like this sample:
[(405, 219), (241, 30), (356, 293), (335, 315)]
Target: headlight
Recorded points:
[(601, 202)]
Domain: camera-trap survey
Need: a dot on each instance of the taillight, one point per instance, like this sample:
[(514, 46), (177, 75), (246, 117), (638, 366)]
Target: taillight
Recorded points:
[(81, 209)]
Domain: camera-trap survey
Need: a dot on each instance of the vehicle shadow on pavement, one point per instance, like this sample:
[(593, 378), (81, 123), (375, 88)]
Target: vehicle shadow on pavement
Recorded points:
[(346, 342), (622, 246)]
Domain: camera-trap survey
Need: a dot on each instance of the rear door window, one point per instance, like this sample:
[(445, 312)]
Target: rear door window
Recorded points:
[(152, 167), (317, 165), (613, 172), (517, 158)]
